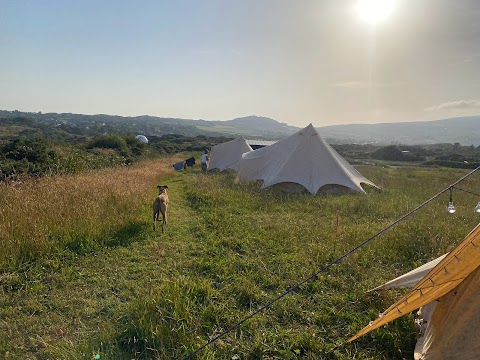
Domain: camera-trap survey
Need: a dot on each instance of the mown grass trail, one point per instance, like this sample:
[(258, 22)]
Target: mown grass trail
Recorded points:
[(227, 250), (65, 292)]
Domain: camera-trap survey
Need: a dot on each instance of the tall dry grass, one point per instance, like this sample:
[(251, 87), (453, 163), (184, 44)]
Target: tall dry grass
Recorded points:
[(39, 217)]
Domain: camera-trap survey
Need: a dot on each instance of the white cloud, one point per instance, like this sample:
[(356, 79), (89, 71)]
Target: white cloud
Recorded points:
[(461, 60), (456, 108), (456, 105), (365, 85)]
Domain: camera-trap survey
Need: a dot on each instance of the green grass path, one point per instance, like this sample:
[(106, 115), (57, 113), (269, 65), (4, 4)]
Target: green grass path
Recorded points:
[(64, 302), (227, 250)]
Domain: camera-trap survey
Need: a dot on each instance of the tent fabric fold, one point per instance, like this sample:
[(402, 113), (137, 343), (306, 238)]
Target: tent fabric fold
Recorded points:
[(412, 277), (227, 155), (449, 273), (303, 158)]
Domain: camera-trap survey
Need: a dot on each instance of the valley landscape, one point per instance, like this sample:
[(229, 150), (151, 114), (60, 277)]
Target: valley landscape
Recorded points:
[(464, 130), (84, 274), (320, 161)]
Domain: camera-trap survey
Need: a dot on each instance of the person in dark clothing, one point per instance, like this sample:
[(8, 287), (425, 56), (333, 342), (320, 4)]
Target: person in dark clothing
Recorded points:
[(190, 161)]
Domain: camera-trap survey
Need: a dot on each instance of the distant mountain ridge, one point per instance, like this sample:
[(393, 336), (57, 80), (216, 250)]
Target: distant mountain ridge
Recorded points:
[(463, 130), (90, 125)]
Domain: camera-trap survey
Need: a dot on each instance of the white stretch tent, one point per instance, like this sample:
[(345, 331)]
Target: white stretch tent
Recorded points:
[(227, 155), (448, 296), (303, 158)]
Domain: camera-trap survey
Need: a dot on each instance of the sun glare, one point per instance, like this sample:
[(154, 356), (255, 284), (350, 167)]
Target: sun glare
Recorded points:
[(374, 11)]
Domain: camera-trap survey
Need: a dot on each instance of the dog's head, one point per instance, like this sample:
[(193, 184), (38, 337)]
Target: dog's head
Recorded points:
[(162, 189)]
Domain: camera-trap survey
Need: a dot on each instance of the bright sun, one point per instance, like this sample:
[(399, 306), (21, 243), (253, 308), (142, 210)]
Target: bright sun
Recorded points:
[(374, 11)]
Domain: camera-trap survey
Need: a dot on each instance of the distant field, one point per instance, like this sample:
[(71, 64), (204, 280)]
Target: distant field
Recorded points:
[(225, 130), (83, 273), (8, 132)]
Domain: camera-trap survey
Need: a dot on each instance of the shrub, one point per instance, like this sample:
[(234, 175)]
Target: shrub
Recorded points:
[(115, 142), (26, 155)]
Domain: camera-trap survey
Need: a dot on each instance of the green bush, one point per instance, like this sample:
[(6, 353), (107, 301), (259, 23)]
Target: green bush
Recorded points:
[(114, 142), (136, 146), (26, 155)]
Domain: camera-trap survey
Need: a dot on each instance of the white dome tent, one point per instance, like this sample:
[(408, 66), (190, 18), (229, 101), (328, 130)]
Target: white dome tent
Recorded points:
[(226, 156), (303, 158), (142, 138)]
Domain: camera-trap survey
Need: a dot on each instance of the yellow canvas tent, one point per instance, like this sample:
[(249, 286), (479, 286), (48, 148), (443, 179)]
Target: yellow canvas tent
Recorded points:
[(454, 284)]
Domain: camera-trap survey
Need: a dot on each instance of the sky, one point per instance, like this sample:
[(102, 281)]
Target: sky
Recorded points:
[(299, 62)]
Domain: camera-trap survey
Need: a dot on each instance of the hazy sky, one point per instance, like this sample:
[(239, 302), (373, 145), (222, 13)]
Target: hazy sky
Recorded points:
[(295, 61)]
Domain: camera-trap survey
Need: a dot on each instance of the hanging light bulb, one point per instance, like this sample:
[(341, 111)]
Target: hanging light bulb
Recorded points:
[(477, 208), (451, 209)]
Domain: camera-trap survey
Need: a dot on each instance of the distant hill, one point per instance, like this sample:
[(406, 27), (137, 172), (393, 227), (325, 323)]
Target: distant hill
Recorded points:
[(463, 130), (100, 124), (252, 126), (258, 122)]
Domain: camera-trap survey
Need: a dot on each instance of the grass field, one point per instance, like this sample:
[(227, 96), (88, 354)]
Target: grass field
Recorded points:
[(225, 130), (83, 274)]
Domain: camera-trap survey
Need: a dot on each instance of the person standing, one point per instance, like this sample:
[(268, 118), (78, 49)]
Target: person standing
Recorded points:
[(204, 161)]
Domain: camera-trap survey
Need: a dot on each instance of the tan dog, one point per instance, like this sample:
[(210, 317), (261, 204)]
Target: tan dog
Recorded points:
[(160, 206)]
